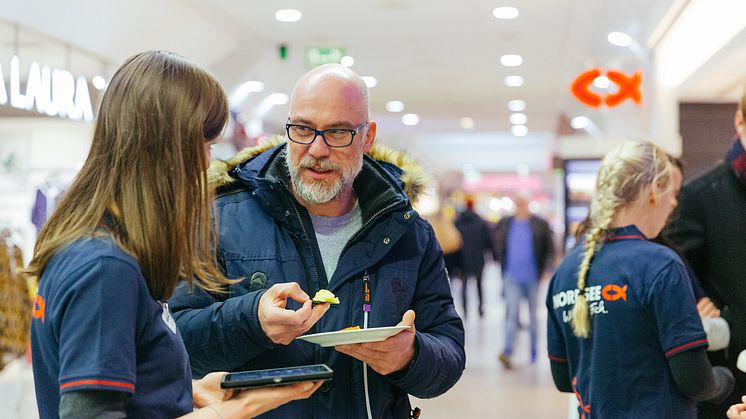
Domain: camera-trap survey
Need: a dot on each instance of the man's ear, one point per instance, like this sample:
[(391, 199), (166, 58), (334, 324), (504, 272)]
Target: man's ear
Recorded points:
[(740, 124), (370, 136)]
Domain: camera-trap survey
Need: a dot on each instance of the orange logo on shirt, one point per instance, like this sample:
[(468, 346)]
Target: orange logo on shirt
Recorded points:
[(38, 310), (613, 292)]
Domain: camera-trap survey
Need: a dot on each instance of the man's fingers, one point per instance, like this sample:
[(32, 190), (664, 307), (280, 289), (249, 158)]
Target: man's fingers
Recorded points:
[(289, 290), (316, 313), (363, 354), (408, 319)]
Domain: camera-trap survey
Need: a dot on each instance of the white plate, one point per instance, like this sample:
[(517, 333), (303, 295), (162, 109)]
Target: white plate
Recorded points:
[(343, 337)]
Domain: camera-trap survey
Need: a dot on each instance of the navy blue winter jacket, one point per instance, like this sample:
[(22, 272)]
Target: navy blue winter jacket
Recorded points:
[(266, 237)]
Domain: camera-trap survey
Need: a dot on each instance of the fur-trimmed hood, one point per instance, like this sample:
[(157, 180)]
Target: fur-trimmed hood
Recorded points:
[(414, 178)]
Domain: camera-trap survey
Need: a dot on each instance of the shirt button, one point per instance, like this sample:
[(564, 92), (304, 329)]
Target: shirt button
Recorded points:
[(325, 387), (287, 212), (407, 215), (386, 240)]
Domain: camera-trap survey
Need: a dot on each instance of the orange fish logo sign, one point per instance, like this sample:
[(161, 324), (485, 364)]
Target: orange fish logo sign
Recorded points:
[(629, 88), (38, 310), (613, 292)]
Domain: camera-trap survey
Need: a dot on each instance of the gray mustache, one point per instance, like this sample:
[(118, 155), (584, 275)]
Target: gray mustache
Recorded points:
[(318, 165)]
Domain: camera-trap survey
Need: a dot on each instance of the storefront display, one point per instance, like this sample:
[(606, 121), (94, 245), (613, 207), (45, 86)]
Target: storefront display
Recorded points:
[(580, 181)]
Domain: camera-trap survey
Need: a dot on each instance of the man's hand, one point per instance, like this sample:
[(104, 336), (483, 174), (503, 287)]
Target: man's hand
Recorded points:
[(391, 355), (707, 308), (282, 325), (738, 411)]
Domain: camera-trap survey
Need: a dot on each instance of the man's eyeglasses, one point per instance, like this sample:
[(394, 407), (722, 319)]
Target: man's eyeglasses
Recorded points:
[(333, 137)]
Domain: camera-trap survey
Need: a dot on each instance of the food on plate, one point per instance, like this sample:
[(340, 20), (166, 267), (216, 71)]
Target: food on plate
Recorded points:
[(350, 328), (325, 296)]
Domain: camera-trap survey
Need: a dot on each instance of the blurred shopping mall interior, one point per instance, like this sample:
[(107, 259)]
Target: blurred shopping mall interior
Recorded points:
[(495, 98)]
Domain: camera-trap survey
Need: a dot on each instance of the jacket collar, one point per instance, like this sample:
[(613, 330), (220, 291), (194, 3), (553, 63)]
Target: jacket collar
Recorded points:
[(407, 173), (380, 185)]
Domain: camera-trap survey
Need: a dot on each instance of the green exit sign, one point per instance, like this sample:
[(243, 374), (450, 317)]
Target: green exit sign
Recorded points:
[(318, 56)]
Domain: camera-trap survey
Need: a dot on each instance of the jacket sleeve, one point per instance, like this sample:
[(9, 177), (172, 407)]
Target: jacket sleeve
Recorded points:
[(687, 231), (439, 340), (218, 335)]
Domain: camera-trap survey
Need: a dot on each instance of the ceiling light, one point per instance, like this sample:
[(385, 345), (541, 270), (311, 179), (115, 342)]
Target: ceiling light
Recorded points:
[(505, 13), (347, 61), (518, 119), (394, 106), (370, 81), (517, 105), (619, 39), (514, 81), (467, 123), (579, 122), (99, 82), (410, 119), (519, 130), (511, 60), (602, 82), (288, 15), (243, 90), (278, 98)]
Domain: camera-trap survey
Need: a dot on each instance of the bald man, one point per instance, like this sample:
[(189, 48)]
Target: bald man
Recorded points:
[(327, 209)]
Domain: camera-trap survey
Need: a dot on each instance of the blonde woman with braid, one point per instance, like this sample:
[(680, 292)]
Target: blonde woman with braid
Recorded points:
[(623, 330)]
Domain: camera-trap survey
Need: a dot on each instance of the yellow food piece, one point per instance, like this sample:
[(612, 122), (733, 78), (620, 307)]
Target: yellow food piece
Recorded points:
[(325, 296), (351, 328)]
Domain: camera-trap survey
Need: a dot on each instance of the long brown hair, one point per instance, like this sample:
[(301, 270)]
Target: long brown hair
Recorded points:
[(147, 167)]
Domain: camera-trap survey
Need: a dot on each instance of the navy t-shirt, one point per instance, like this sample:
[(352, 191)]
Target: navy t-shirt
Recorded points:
[(96, 326), (642, 313)]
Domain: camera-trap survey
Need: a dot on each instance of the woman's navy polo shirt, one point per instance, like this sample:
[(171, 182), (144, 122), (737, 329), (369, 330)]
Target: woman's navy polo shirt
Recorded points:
[(642, 313), (96, 326)]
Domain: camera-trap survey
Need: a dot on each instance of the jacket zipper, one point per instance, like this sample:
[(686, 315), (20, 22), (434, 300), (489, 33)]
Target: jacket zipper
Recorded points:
[(362, 228), (308, 239)]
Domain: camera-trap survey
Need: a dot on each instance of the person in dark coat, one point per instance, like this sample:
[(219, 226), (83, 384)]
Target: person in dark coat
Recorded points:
[(524, 248), (327, 210), (476, 236), (709, 228)]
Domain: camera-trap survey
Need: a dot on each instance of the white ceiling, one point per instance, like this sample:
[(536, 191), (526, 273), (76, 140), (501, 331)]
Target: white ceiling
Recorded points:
[(440, 57)]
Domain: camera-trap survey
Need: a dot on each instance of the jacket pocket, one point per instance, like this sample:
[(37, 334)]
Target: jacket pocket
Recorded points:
[(394, 289)]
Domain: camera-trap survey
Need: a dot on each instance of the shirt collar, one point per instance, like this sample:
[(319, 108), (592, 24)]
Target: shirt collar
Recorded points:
[(629, 232)]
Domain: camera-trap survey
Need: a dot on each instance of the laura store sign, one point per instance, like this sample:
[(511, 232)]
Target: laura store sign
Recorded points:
[(51, 92)]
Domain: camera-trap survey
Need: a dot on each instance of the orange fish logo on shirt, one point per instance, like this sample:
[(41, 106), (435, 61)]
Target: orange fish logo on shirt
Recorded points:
[(38, 309), (613, 292), (629, 88)]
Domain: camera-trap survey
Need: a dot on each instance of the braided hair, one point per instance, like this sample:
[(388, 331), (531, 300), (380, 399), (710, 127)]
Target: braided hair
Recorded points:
[(625, 173)]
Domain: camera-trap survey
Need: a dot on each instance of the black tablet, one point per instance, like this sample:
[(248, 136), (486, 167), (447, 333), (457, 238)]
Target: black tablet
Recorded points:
[(276, 376)]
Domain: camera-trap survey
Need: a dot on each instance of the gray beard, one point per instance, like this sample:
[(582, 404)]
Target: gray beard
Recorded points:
[(319, 192)]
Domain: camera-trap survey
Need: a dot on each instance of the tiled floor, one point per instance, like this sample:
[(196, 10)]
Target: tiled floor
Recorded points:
[(487, 390)]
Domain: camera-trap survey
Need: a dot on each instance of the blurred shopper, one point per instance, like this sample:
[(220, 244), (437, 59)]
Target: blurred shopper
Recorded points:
[(709, 229), (328, 210), (14, 302), (134, 221), (476, 235), (525, 249), (450, 242), (623, 331)]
